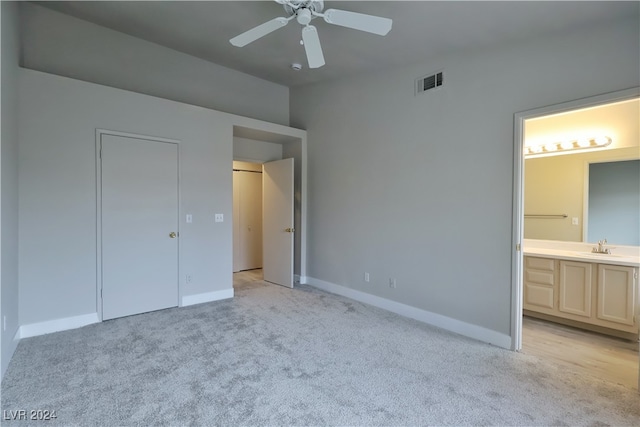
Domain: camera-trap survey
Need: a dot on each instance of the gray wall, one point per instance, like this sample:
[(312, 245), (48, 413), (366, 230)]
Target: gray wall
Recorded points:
[(57, 166), (9, 180), (419, 188), (250, 150), (64, 45), (614, 202)]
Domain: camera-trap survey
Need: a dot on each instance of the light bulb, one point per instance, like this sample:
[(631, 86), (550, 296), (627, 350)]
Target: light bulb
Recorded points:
[(566, 145), (601, 141), (551, 147), (584, 142)]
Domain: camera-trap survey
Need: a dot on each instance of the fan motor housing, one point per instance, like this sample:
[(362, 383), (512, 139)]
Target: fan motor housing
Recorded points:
[(312, 5)]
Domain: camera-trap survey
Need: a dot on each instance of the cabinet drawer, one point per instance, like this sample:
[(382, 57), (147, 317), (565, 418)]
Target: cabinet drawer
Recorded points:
[(542, 277), (538, 296), (540, 263)]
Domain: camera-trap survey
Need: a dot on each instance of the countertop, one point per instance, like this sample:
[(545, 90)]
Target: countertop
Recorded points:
[(582, 255)]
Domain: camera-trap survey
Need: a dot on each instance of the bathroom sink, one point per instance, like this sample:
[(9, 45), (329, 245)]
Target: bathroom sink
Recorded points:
[(598, 254)]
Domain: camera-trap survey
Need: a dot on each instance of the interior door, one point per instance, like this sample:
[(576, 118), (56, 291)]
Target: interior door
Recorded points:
[(277, 222), (139, 181)]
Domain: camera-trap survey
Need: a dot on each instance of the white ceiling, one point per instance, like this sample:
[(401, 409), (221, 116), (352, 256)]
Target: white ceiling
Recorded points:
[(421, 30)]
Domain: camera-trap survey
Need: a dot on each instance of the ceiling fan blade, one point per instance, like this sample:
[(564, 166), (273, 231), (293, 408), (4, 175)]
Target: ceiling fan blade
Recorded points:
[(358, 21), (312, 46), (259, 31)]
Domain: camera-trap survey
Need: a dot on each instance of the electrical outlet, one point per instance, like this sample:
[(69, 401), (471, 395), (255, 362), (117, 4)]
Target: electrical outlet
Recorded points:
[(188, 279), (366, 277), (392, 283), (219, 218)]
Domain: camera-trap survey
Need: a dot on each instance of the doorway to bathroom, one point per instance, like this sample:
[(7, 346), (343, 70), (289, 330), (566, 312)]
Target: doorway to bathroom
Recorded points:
[(561, 297)]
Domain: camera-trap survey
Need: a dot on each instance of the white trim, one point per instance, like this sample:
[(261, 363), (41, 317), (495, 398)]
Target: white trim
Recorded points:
[(444, 322), (100, 132), (57, 325), (517, 234), (518, 191), (585, 202), (206, 297), (17, 336)]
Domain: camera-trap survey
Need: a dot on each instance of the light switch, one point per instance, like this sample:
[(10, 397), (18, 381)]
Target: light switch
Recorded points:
[(219, 218), (574, 220), (189, 218)]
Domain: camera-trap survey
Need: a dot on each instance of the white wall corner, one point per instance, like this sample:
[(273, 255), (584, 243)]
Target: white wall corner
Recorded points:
[(57, 325), (206, 297), (453, 325)]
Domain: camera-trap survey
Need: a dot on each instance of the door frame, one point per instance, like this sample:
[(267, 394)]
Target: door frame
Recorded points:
[(518, 192), (98, 158), (287, 137)]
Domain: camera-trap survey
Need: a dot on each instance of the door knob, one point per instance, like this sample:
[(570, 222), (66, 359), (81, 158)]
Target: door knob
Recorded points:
[(173, 234), (289, 230)]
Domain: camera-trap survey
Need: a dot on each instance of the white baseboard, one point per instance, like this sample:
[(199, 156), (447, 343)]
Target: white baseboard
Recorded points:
[(299, 279), (206, 297), (457, 326), (57, 325)]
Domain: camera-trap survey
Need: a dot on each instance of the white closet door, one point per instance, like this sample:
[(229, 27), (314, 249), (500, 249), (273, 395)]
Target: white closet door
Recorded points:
[(247, 217), (139, 225)]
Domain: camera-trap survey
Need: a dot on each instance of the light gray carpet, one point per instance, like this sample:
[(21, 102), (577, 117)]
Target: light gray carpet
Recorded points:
[(276, 356)]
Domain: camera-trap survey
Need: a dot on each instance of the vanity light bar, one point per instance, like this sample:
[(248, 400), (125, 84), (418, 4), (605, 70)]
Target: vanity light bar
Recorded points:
[(569, 145)]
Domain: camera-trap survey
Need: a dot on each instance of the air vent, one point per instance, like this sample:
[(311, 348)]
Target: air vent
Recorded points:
[(426, 83)]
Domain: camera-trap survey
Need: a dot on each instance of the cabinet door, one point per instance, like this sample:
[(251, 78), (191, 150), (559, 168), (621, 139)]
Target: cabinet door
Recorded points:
[(616, 294), (575, 288)]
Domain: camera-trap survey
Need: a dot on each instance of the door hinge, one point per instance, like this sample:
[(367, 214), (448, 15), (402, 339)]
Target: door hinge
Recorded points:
[(518, 247)]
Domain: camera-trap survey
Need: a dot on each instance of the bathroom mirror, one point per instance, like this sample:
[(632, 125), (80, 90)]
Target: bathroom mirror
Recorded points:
[(613, 205), (584, 187)]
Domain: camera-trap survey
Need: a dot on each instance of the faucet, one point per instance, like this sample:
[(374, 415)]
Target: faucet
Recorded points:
[(601, 249)]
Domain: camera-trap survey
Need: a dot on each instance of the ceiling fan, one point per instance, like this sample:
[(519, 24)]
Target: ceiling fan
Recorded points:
[(306, 10)]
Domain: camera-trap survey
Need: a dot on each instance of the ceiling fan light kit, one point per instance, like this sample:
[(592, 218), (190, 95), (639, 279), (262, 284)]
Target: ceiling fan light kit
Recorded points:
[(304, 11)]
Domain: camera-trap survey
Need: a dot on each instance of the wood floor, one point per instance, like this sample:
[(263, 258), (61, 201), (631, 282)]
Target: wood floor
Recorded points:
[(608, 358), (247, 276)]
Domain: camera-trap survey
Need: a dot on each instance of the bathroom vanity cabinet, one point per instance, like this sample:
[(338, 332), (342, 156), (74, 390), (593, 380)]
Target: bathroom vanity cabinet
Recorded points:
[(585, 294)]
